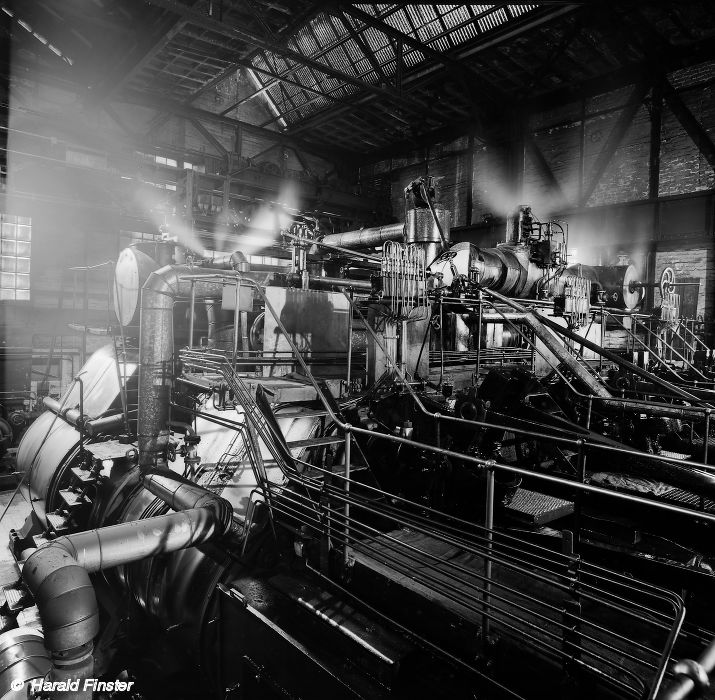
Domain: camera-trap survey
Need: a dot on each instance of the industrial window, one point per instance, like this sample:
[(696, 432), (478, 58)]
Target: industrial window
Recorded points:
[(15, 241)]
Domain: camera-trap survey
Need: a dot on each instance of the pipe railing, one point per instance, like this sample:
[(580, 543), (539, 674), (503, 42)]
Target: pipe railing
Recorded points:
[(348, 532)]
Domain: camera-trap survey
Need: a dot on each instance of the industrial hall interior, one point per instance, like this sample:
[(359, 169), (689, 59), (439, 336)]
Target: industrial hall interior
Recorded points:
[(357, 351)]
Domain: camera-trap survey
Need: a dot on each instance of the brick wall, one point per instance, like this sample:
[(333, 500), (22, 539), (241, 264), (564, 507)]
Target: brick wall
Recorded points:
[(559, 134), (695, 263)]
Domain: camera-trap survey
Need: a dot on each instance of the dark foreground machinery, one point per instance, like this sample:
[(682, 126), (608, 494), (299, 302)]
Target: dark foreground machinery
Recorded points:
[(411, 472)]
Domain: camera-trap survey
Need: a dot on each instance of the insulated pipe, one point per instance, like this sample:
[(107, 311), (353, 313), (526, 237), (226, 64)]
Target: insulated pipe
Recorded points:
[(211, 322), (57, 575), (555, 346), (182, 495), (366, 237), (235, 261), (612, 357), (327, 282), (156, 351)]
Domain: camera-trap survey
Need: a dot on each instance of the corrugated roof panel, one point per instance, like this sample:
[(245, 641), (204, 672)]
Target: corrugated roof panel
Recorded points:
[(398, 20), (459, 36), (338, 59), (338, 27), (374, 38), (353, 50), (289, 89), (384, 55), (304, 77), (441, 44), (413, 58), (421, 14), (429, 30), (518, 10), (324, 30), (306, 42), (327, 41), (329, 84), (493, 19), (456, 16), (355, 23), (362, 66), (389, 67)]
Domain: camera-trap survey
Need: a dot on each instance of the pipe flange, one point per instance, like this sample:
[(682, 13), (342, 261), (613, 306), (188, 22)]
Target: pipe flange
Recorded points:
[(695, 672)]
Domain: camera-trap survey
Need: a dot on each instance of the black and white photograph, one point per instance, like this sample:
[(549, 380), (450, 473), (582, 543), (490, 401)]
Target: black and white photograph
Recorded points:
[(356, 351)]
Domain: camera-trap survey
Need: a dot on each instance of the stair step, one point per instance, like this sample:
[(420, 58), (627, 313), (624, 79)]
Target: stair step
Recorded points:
[(40, 540), (537, 508), (316, 441), (85, 475), (58, 522), (15, 597), (73, 499), (29, 617)]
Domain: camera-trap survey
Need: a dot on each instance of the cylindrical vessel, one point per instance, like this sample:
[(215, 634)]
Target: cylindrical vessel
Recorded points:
[(131, 272), (421, 229), (613, 283)]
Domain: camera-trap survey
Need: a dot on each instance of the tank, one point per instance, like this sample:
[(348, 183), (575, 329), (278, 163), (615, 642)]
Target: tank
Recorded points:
[(132, 270)]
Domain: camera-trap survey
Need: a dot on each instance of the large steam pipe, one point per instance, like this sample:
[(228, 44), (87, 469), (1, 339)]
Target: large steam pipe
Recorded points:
[(555, 346), (180, 494), (57, 575), (366, 237), (157, 348), (210, 322), (612, 357), (235, 261)]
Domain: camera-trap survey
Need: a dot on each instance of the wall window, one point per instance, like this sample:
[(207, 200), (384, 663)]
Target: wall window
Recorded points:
[(15, 241)]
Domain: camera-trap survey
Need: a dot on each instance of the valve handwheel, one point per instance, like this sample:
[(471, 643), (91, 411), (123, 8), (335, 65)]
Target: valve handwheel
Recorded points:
[(667, 281)]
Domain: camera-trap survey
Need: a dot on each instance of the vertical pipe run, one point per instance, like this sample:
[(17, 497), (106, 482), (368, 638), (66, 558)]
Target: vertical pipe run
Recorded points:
[(350, 342), (480, 302), (706, 439), (348, 446), (236, 325), (192, 313), (489, 526), (441, 342), (581, 467)]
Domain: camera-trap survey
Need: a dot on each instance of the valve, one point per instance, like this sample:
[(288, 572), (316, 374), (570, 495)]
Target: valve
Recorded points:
[(190, 454)]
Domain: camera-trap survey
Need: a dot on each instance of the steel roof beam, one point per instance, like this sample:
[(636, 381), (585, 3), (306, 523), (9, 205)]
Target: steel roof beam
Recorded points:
[(185, 111), (248, 37)]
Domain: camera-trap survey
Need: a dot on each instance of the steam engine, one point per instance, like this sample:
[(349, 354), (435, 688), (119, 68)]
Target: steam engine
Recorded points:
[(389, 467)]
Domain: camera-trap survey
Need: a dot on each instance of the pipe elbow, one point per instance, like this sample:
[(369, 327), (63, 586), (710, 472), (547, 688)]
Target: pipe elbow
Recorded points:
[(65, 598), (239, 261), (181, 494), (164, 281)]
